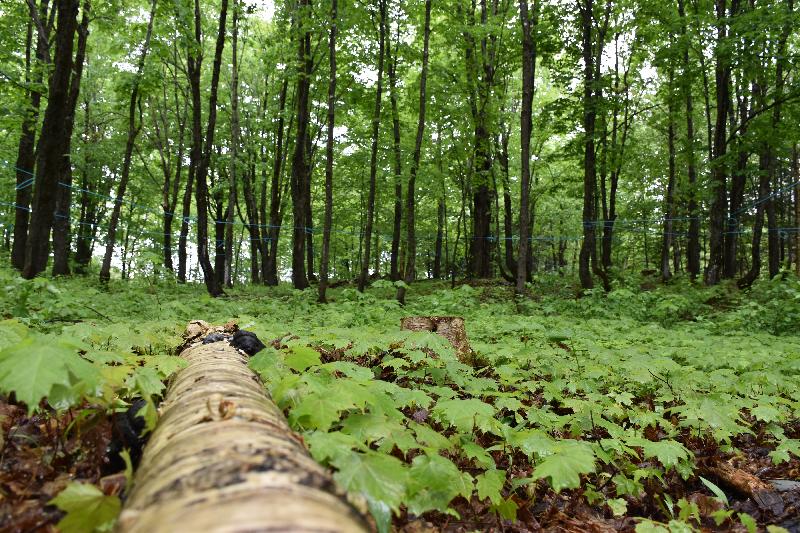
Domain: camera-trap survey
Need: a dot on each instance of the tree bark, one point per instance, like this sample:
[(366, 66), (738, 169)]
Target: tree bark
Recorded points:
[(201, 151), (693, 238), (61, 224), (719, 211), (269, 262), (133, 132), (394, 269), (52, 141), (26, 156), (669, 199), (529, 22), (373, 161), (235, 135), (328, 222), (223, 456), (300, 158), (411, 236)]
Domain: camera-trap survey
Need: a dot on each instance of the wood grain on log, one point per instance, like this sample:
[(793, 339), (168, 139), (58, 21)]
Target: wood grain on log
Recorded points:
[(223, 458)]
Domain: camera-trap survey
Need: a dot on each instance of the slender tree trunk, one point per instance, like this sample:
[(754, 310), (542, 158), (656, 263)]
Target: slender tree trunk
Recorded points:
[(719, 212), (133, 132), (328, 222), (300, 158), (669, 200), (61, 224), (394, 270), (693, 239), (186, 211), (269, 261), (528, 22), (411, 237), (52, 142), (586, 8), (773, 238), (373, 162), (235, 135), (755, 250), (26, 157), (796, 179), (201, 152)]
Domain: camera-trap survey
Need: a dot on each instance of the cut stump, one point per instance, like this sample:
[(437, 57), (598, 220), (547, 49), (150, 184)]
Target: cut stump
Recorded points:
[(450, 327), (223, 458)]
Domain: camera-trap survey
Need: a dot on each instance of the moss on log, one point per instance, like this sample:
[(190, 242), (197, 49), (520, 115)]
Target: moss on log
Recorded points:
[(223, 458)]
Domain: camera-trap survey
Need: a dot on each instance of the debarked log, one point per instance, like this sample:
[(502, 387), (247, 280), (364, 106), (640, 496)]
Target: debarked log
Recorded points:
[(223, 458)]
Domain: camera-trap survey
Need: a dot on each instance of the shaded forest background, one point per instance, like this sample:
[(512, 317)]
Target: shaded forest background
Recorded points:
[(233, 142)]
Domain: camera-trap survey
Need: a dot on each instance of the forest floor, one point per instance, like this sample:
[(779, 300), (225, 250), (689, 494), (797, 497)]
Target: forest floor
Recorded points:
[(653, 408)]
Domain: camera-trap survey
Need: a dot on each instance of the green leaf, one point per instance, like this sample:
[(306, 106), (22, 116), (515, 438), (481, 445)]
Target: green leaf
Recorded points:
[(33, 367), (382, 515), (490, 485), (716, 490), (465, 414), (87, 508), (302, 357), (434, 482), (146, 381), (564, 467), (11, 332), (618, 506), (335, 445), (668, 452), (381, 478), (781, 453), (749, 522), (648, 526), (319, 411), (506, 509)]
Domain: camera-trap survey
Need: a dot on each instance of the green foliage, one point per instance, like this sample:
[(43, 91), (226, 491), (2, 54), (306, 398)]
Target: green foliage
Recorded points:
[(578, 399), (87, 508)]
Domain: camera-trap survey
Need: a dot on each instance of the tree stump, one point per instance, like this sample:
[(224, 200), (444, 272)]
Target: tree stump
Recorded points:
[(450, 327), (223, 458)]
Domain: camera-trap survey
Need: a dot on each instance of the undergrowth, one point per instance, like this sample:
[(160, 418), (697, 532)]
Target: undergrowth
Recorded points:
[(617, 403)]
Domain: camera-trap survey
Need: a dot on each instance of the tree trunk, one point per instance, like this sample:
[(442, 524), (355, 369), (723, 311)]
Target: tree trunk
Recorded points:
[(373, 161), (437, 257), (235, 135), (411, 236), (26, 156), (722, 74), (269, 261), (328, 222), (755, 251), (669, 199), (796, 179), (586, 9), (394, 270), (52, 143), (223, 457), (61, 224), (133, 131), (186, 211), (529, 23), (201, 152), (693, 238), (300, 158)]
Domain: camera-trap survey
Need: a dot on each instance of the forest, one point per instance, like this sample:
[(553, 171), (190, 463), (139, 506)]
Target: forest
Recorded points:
[(446, 265)]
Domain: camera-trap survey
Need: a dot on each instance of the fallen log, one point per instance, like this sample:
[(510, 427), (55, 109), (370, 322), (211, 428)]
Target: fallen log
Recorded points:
[(746, 484), (223, 458)]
